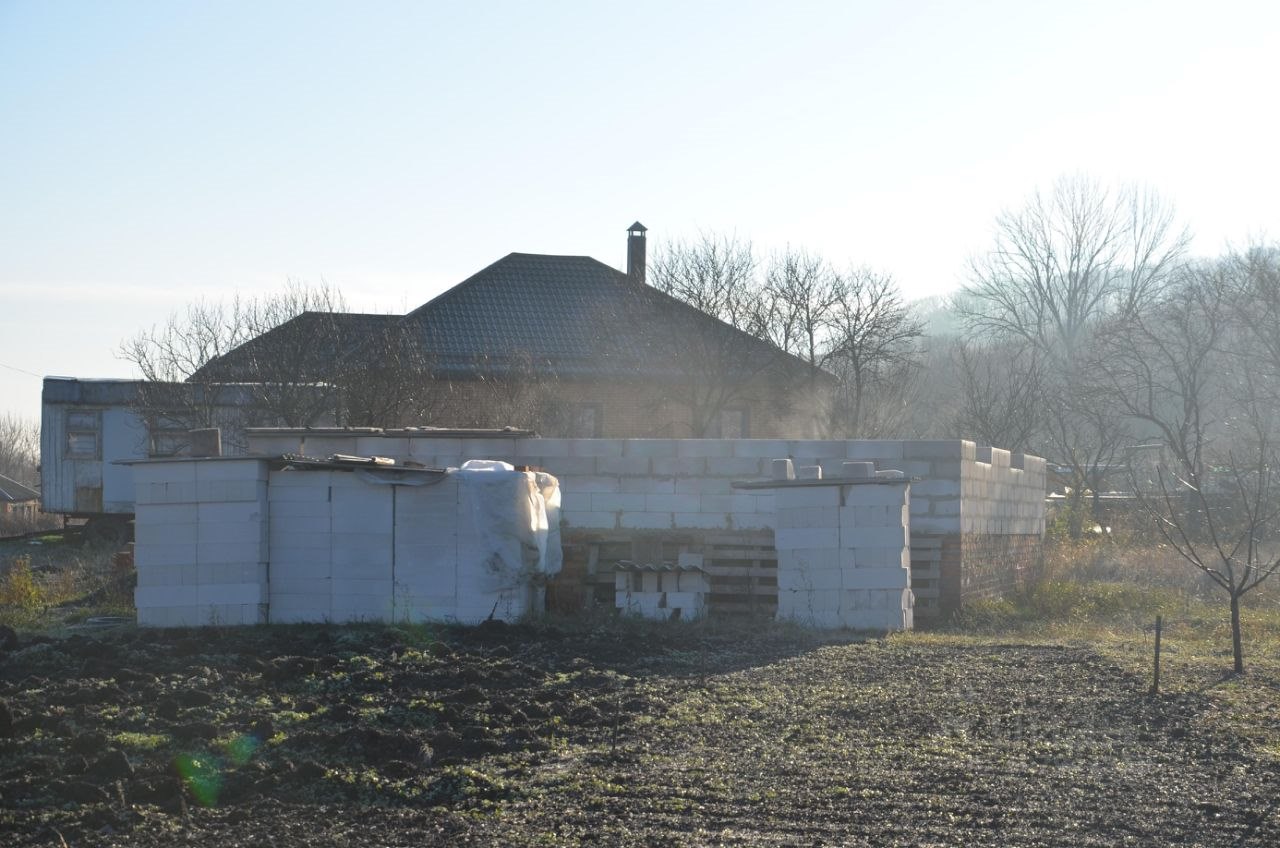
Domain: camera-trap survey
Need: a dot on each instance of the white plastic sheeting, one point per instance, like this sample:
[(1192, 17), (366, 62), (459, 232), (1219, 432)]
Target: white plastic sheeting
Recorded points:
[(509, 512)]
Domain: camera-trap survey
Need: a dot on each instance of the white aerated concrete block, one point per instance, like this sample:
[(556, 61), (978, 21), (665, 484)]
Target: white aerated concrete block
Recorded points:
[(739, 467), (604, 502), (596, 447), (651, 448), (624, 465), (166, 596), (792, 538), (672, 503), (769, 449), (801, 497), (683, 466), (705, 447), (646, 485)]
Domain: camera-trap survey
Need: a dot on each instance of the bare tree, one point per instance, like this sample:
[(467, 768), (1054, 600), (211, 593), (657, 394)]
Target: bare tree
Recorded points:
[(19, 448), (244, 362), (798, 304), (1198, 367), (714, 274), (1001, 393), (1070, 258), (716, 370), (873, 349), (1161, 366)]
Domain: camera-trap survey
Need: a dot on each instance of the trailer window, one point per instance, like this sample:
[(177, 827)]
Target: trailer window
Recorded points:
[(168, 437), (84, 434)]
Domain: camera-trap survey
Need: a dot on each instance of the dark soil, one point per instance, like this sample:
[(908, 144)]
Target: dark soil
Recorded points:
[(632, 735)]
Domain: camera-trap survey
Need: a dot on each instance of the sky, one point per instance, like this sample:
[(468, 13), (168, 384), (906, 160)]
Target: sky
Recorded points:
[(155, 154)]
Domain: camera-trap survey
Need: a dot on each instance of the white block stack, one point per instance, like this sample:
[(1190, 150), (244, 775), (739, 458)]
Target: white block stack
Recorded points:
[(843, 552), (201, 534), (663, 592), (226, 541)]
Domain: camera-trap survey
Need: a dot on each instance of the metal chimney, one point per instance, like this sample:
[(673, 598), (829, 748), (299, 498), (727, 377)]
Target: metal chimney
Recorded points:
[(636, 252)]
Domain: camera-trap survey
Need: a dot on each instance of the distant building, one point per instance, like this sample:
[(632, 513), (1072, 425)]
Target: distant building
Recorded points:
[(590, 350), (18, 503)]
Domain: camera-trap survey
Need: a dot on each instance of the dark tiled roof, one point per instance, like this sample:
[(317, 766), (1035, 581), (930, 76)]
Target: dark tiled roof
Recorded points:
[(14, 492), (570, 315), (574, 315), (312, 337)]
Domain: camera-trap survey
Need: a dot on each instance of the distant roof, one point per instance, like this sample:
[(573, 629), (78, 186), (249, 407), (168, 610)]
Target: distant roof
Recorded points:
[(311, 337), (14, 492), (573, 315), (127, 393), (570, 315), (637, 226)]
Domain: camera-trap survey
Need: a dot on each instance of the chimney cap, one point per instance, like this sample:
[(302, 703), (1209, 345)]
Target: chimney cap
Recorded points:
[(637, 227)]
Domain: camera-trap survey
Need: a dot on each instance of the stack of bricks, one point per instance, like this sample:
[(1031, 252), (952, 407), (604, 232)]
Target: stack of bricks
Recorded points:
[(331, 547), (843, 558), (663, 592), (201, 542), (228, 541)]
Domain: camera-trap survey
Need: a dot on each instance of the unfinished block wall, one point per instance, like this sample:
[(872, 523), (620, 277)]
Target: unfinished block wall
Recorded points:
[(201, 543), (976, 514)]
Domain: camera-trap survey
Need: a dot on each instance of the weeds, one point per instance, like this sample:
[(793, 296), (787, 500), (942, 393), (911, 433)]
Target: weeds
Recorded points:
[(57, 584)]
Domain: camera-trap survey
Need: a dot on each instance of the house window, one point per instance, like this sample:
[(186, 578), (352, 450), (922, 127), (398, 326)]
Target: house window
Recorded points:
[(732, 424), (586, 421), (84, 434)]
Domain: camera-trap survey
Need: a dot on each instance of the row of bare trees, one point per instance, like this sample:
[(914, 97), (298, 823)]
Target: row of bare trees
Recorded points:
[(1091, 330), (851, 324)]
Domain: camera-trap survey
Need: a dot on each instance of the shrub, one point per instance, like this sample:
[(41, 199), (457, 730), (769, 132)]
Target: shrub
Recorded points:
[(19, 590)]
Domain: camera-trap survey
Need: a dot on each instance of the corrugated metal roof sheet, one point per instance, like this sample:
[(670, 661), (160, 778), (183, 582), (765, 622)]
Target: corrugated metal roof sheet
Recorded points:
[(628, 565), (14, 492)]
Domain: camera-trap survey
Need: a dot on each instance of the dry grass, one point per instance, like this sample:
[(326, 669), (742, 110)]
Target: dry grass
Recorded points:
[(57, 582), (1106, 596)]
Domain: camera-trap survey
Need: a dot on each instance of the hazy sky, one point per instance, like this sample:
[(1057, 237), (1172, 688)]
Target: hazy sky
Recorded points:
[(155, 153)]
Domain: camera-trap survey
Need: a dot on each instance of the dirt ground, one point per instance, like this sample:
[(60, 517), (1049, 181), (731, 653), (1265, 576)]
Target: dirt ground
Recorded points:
[(621, 734)]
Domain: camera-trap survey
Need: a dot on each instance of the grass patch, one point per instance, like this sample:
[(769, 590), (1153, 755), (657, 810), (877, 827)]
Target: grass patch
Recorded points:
[(140, 741)]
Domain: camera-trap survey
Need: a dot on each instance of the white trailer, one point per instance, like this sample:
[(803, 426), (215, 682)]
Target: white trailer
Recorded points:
[(89, 429), (86, 428)]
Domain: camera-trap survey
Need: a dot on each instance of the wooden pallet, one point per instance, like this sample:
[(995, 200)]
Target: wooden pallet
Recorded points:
[(743, 571), (926, 577), (742, 567)]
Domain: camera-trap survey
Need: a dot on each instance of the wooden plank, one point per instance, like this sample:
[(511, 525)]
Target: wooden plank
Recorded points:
[(741, 571), (758, 539), (741, 553)]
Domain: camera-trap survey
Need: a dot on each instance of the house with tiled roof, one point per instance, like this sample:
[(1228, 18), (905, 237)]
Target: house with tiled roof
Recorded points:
[(17, 502), (566, 345)]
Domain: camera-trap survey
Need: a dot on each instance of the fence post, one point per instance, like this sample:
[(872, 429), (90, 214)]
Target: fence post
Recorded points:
[(1155, 681)]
